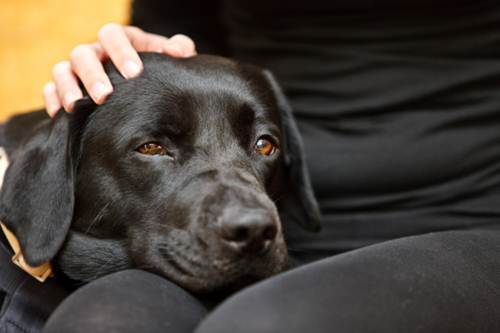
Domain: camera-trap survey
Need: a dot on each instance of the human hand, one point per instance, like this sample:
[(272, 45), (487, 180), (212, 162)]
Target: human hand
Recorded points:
[(118, 43)]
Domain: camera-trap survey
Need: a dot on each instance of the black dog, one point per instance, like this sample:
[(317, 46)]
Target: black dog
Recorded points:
[(182, 172)]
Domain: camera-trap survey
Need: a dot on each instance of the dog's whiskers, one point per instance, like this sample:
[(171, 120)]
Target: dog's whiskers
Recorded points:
[(97, 218)]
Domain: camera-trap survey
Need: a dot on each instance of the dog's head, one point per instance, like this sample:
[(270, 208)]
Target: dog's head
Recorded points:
[(184, 171)]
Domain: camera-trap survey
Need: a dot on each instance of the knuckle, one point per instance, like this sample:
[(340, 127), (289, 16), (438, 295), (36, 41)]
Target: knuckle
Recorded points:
[(49, 89), (79, 51), (60, 68), (108, 28), (134, 29), (49, 86)]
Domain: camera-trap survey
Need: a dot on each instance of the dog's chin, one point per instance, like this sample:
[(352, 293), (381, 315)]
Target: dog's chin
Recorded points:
[(207, 275)]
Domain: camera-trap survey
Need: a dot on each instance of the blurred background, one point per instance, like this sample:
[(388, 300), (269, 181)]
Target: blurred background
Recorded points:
[(35, 34)]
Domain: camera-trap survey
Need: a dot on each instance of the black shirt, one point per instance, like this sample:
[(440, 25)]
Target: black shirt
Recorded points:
[(398, 103)]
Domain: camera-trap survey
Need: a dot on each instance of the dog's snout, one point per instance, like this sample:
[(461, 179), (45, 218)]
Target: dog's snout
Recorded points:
[(252, 231)]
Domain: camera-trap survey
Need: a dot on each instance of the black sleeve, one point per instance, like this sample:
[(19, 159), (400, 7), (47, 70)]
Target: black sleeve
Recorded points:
[(198, 19)]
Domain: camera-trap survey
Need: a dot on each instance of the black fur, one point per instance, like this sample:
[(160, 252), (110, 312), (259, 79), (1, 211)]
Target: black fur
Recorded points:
[(78, 192)]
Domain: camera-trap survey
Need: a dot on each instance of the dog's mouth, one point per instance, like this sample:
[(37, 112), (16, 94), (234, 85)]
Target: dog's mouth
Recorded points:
[(203, 271), (230, 238)]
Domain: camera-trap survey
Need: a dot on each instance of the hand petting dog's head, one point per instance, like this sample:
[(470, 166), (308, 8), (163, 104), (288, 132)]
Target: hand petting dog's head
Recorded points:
[(184, 171)]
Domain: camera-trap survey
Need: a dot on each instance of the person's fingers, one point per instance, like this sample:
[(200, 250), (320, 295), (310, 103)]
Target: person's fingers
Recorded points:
[(177, 46), (66, 84), (119, 43), (116, 43), (86, 64), (185, 43), (139, 40), (52, 103)]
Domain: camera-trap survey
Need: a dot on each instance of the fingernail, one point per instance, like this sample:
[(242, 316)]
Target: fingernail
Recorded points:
[(131, 69), (69, 99), (100, 91)]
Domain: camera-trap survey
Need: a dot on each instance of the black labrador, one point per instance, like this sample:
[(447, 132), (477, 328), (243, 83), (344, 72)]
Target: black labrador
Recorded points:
[(184, 171)]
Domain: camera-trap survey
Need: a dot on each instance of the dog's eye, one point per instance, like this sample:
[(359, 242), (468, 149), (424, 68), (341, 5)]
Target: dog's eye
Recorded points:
[(152, 148), (265, 146)]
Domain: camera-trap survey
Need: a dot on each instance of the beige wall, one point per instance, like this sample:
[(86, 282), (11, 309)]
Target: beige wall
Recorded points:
[(35, 34)]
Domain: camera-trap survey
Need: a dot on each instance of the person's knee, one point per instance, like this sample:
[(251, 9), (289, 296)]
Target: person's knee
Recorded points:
[(246, 313), (434, 282), (127, 301)]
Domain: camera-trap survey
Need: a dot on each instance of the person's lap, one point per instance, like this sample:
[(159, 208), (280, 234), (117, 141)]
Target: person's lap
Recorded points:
[(446, 281), (127, 301)]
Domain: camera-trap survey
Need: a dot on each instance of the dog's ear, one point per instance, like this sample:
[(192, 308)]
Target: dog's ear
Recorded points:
[(299, 203), (37, 197)]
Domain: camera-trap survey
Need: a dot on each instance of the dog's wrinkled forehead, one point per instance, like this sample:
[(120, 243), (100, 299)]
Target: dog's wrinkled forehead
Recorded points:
[(205, 95)]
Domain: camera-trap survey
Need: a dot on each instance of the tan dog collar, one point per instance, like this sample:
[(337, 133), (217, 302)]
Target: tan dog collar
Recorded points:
[(42, 272)]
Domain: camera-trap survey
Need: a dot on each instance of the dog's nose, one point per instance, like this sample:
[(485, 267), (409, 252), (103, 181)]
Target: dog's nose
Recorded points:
[(249, 232)]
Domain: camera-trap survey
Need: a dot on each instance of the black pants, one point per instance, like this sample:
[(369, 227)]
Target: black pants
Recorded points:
[(441, 282)]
